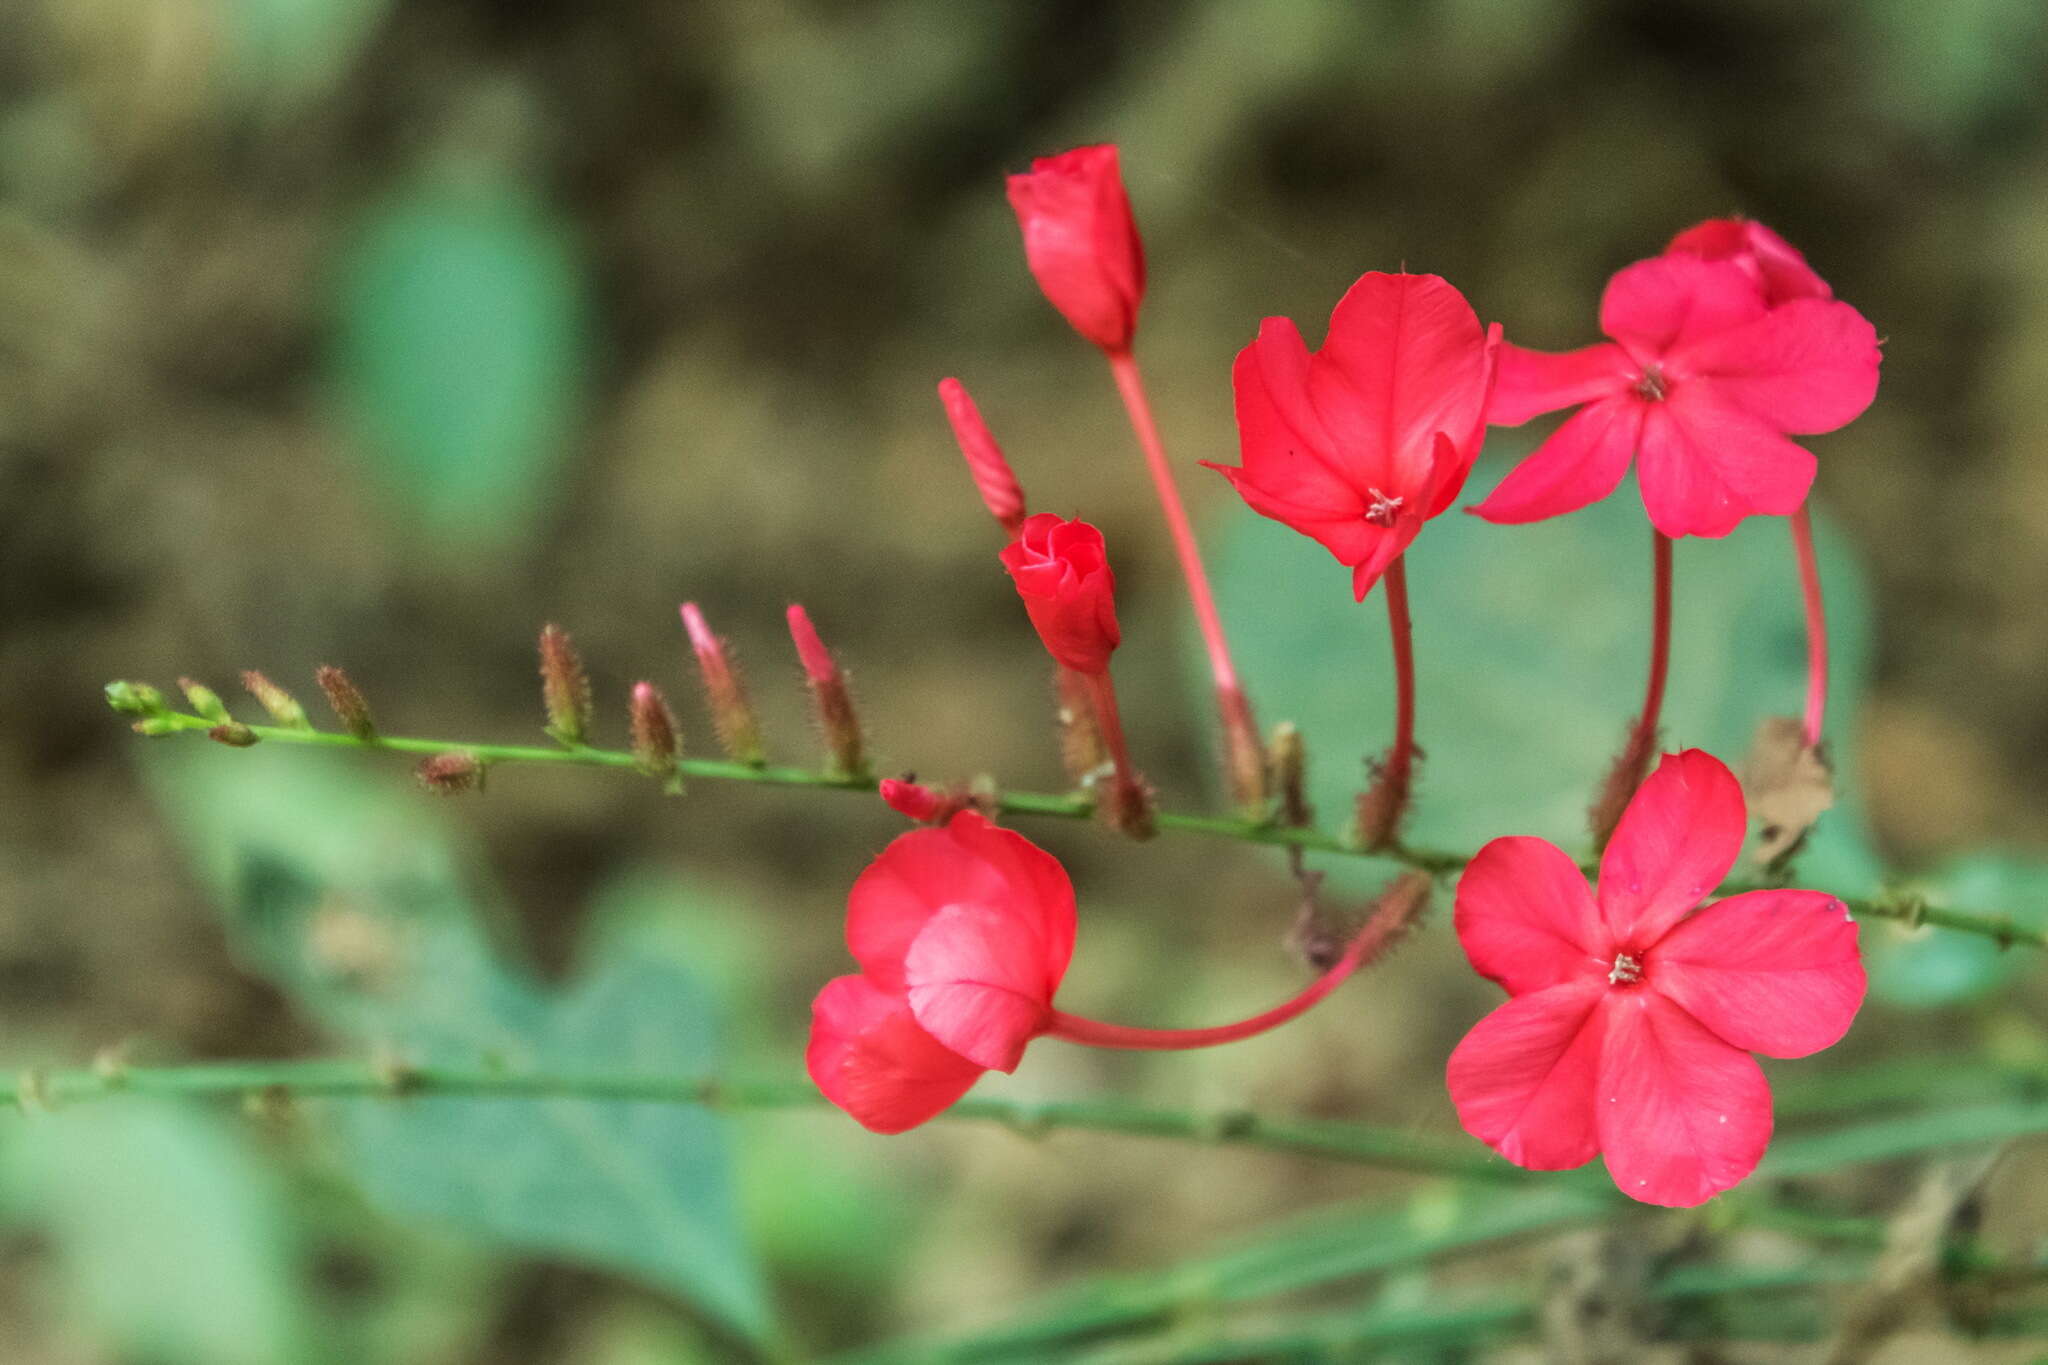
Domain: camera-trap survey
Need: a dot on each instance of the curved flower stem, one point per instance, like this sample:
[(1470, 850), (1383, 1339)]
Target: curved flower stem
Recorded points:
[(1908, 908), (1244, 754), (1816, 625)]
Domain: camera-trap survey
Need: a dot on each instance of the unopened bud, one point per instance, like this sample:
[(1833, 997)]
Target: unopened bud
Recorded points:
[(349, 707), (564, 687), (832, 704), (993, 478), (913, 800), (451, 773), (135, 699), (655, 746), (204, 700), (232, 733), (283, 707), (732, 716), (1288, 757), (1081, 751)]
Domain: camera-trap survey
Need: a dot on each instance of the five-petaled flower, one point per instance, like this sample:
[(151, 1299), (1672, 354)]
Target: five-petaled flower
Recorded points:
[(962, 934), (1062, 572), (1701, 384), (1358, 444), (1632, 1015), (1082, 243)]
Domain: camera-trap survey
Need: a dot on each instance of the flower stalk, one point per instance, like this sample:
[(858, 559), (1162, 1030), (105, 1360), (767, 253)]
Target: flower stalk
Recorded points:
[(1632, 764), (1816, 626), (1383, 805)]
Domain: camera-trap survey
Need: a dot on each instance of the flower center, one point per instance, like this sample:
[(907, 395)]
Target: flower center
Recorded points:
[(1383, 509), (1651, 385), (1626, 971)]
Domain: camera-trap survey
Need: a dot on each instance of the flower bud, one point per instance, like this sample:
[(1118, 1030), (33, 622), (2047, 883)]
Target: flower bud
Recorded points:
[(564, 688), (993, 478), (1082, 243), (1288, 757), (1062, 572), (135, 699), (283, 707), (914, 801), (732, 716), (655, 747), (451, 773), (349, 707), (204, 700), (232, 733), (832, 703)]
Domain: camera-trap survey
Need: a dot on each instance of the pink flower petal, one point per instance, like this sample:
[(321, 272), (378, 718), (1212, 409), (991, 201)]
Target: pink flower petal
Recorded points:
[(1523, 1078), (1679, 836), (1581, 463), (1775, 972), (1405, 358), (1274, 370), (1349, 537), (1806, 367), (1387, 547), (1044, 894), (1777, 265), (1531, 383), (1682, 1115), (1654, 305), (976, 982), (1526, 917), (872, 1060), (1705, 465)]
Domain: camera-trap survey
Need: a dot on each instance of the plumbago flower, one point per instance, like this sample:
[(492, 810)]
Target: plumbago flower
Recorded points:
[(1632, 1015), (1062, 572), (1702, 383), (1360, 443)]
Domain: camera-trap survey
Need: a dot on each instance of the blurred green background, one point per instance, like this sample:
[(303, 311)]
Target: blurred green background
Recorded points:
[(377, 333)]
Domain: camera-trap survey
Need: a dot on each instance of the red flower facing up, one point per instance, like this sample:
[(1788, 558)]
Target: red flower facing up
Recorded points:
[(1082, 242), (962, 934), (1777, 266), (1703, 381), (1062, 572), (1358, 444), (1632, 1015)]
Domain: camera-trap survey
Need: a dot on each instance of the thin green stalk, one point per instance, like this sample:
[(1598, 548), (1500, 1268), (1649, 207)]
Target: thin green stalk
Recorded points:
[(2004, 928)]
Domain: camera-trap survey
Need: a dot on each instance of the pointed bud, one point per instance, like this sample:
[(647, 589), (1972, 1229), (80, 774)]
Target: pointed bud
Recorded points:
[(832, 703), (732, 716), (451, 773), (283, 707), (993, 479), (914, 801), (1081, 750), (564, 688), (205, 701), (655, 747), (232, 733), (135, 699), (349, 707), (1081, 242), (1289, 759)]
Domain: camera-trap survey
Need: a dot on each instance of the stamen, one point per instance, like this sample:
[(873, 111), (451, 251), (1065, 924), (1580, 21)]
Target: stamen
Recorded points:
[(1651, 385), (1626, 972), (1383, 509)]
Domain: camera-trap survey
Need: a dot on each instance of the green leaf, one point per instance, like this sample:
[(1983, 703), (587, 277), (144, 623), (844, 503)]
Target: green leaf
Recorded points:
[(460, 351), (1532, 643), (1926, 967), (170, 1229), (346, 892)]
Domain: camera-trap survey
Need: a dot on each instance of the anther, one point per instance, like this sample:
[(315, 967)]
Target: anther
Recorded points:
[(1651, 385), (1383, 509), (1626, 971)]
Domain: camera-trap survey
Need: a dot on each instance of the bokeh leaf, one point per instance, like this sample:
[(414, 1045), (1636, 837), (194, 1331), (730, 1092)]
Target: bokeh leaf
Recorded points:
[(460, 351), (348, 894)]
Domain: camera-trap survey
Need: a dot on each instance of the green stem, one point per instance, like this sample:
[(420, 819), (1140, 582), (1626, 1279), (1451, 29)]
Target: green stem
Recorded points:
[(2004, 928)]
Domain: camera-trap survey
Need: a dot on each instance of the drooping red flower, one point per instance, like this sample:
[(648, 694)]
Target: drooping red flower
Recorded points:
[(1358, 444), (1082, 242), (963, 934), (1062, 572), (1632, 1014), (1778, 267), (1701, 383)]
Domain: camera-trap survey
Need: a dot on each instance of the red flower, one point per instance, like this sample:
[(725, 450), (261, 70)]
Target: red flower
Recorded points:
[(1776, 266), (1358, 444), (1062, 572), (1082, 243), (1631, 1020), (1704, 380), (963, 933)]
